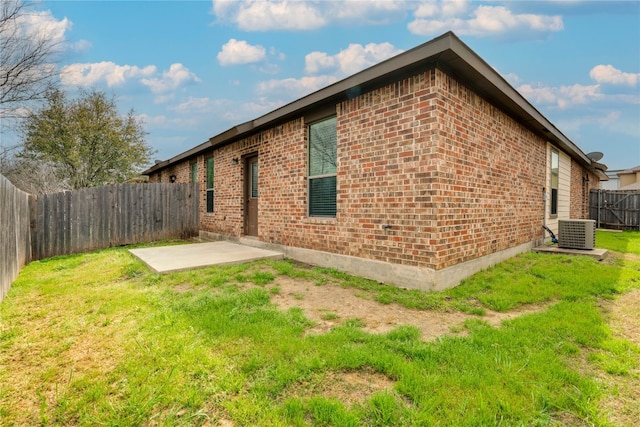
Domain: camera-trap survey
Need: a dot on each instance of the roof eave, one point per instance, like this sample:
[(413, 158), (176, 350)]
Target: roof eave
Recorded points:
[(446, 51)]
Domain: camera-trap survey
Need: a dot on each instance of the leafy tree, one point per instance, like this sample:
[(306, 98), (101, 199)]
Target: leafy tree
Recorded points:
[(89, 142), (35, 177)]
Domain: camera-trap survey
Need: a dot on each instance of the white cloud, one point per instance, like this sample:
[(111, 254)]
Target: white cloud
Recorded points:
[(295, 88), (259, 15), (176, 76), (192, 105), (163, 122), (80, 46), (437, 17), (111, 73), (512, 78), (236, 52), (116, 75), (374, 12), (608, 74), (43, 25), (261, 106), (294, 15), (610, 119), (562, 96), (316, 61), (350, 60)]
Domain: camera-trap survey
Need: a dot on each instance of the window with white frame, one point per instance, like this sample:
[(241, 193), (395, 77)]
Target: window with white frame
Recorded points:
[(555, 179)]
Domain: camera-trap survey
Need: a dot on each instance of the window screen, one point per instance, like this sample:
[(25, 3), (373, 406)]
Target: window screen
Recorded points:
[(194, 172), (209, 183), (254, 180), (322, 168)]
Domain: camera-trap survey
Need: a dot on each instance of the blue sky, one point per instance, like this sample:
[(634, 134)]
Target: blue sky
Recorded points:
[(194, 69)]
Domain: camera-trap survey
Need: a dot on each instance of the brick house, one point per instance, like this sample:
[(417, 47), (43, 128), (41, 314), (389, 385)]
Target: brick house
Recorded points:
[(418, 172)]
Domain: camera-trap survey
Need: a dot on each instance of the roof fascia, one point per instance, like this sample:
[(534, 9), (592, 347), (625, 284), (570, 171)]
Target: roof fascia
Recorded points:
[(447, 52), (182, 156)]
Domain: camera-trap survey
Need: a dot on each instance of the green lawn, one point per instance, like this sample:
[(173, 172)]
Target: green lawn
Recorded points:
[(98, 339)]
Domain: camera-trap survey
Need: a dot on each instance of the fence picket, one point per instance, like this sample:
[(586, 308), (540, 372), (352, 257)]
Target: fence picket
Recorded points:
[(96, 218), (615, 209)]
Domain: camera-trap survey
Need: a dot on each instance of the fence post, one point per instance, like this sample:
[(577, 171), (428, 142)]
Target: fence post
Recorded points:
[(599, 204), (33, 228)]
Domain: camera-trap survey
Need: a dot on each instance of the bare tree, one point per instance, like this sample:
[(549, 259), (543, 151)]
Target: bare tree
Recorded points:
[(34, 176), (28, 54), (27, 58)]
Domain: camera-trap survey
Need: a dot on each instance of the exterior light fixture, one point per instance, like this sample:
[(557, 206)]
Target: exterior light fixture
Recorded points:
[(235, 160)]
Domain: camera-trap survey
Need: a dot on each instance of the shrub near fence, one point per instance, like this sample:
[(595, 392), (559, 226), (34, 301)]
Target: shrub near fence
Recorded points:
[(15, 238), (100, 217)]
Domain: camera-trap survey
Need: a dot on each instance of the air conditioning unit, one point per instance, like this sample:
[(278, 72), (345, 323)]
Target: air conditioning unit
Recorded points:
[(577, 233)]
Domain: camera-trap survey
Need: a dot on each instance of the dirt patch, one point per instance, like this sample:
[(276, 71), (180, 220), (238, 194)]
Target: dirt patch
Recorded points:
[(624, 314), (351, 387), (612, 257), (60, 349), (183, 288), (623, 405), (330, 305)]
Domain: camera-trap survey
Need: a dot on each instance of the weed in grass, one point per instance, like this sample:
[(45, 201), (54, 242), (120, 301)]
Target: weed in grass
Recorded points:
[(329, 316), (241, 278), (354, 323), (456, 329), (386, 409), (262, 278), (327, 412), (274, 290), (616, 357)]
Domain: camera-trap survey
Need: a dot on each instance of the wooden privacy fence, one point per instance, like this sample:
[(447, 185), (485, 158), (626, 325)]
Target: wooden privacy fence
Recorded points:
[(113, 215), (15, 237), (615, 209)]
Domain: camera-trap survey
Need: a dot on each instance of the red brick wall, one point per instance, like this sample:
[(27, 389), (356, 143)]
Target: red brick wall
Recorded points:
[(454, 177), (386, 173), (579, 203), (182, 172), (384, 176), (491, 171), (281, 185)]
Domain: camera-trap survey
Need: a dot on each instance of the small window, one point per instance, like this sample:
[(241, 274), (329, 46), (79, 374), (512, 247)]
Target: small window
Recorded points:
[(322, 168), (254, 180), (555, 178), (194, 172), (210, 180)]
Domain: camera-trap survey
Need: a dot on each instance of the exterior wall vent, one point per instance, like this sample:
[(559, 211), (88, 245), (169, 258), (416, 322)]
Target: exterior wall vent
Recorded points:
[(577, 233)]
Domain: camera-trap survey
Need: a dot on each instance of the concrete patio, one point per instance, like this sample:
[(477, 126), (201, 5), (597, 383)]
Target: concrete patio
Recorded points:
[(596, 253), (167, 259)]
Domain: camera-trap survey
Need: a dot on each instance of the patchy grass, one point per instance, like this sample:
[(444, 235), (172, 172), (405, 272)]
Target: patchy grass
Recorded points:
[(98, 339), (625, 242)]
